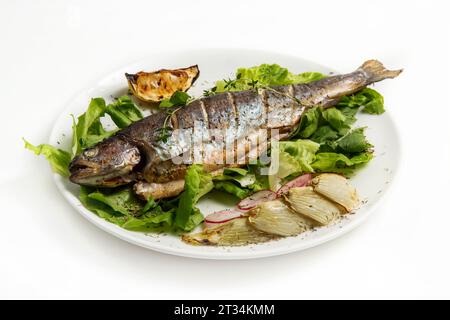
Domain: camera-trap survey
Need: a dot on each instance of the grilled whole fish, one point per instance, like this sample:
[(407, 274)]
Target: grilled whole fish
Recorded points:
[(218, 131)]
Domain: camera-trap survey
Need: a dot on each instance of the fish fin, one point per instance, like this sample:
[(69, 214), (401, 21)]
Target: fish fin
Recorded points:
[(376, 71)]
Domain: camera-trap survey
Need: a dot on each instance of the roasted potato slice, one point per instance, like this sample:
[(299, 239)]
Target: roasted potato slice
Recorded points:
[(158, 85)]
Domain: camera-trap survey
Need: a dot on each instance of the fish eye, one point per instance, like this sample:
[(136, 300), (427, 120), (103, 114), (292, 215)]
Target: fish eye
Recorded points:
[(91, 152)]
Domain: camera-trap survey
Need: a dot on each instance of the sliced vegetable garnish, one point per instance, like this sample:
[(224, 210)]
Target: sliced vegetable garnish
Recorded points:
[(223, 216), (313, 205), (336, 188), (252, 201), (301, 181), (237, 232), (275, 217)]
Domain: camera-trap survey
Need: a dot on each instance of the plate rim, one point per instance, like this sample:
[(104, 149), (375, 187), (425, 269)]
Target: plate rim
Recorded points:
[(120, 233)]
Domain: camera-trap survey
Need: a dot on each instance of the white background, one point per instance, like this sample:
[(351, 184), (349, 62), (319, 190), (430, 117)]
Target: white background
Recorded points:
[(51, 49)]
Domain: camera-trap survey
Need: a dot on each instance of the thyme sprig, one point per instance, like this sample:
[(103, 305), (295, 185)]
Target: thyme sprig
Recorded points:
[(210, 92)]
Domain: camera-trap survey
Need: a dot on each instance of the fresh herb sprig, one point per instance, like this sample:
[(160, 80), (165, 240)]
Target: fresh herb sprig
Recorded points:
[(210, 92), (178, 100), (165, 131)]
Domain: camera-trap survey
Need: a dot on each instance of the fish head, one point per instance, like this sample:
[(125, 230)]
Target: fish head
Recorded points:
[(110, 163)]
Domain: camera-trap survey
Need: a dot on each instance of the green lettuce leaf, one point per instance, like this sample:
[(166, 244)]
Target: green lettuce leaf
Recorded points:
[(304, 77), (309, 123), (339, 163), (101, 209), (88, 129), (88, 124), (264, 75), (155, 221), (336, 119), (371, 101), (196, 184), (123, 112), (238, 171), (194, 220), (232, 188), (374, 103), (178, 99), (325, 134), (59, 159), (294, 158), (124, 209), (241, 182), (239, 175), (302, 151), (353, 142), (123, 201)]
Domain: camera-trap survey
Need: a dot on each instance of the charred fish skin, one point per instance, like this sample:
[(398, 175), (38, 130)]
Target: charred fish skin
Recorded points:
[(240, 114), (225, 122)]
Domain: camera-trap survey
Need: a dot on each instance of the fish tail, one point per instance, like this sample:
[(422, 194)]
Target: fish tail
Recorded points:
[(375, 71)]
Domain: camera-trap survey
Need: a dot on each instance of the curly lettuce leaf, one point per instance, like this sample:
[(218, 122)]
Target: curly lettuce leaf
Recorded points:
[(123, 112), (59, 159), (339, 163), (232, 188), (239, 175), (101, 209), (309, 123), (302, 151), (371, 101), (88, 124), (196, 184), (294, 158), (194, 220), (156, 220), (123, 201), (353, 142), (241, 182), (88, 130), (304, 77), (336, 119), (124, 209), (325, 134), (264, 75)]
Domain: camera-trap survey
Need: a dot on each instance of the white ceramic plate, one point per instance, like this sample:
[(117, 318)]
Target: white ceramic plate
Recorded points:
[(371, 182)]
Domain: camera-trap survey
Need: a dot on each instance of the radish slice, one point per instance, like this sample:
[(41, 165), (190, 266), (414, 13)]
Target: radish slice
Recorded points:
[(219, 217), (259, 197), (297, 182)]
